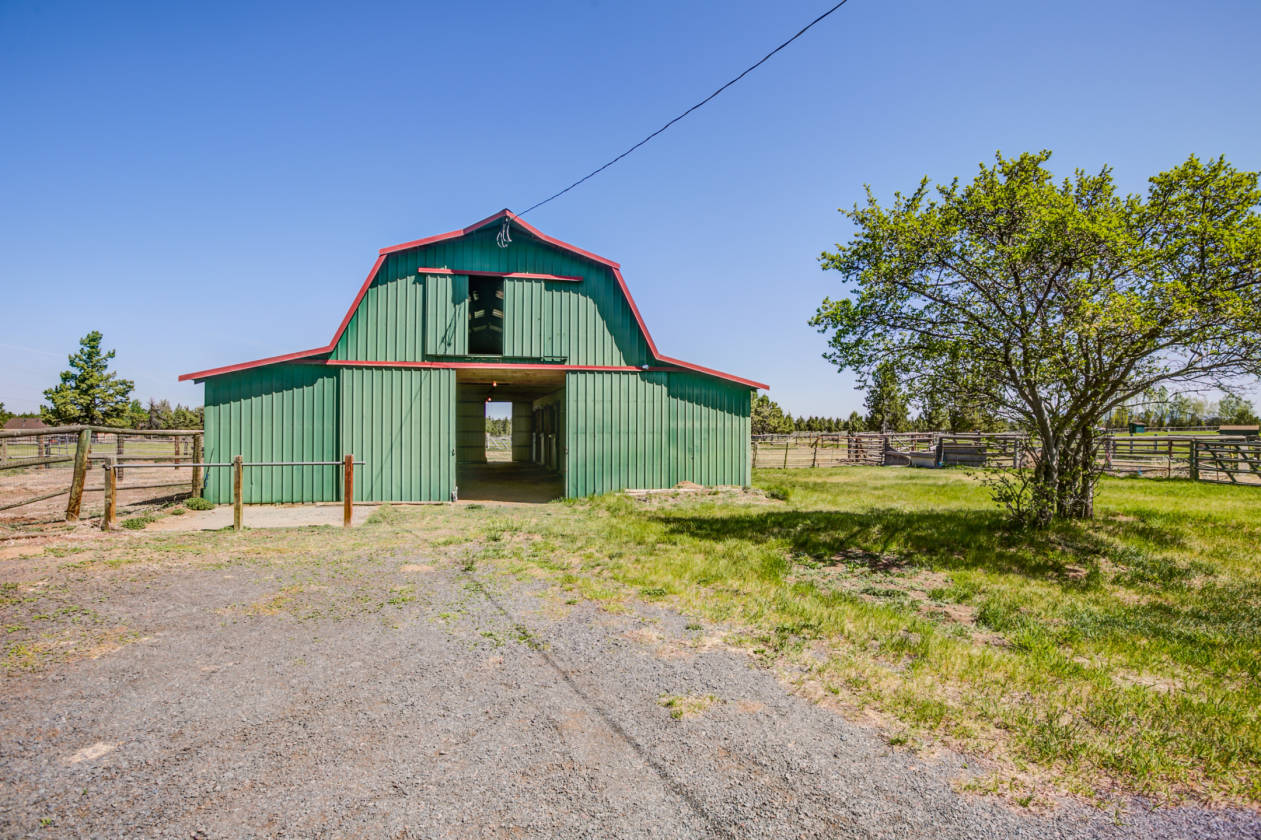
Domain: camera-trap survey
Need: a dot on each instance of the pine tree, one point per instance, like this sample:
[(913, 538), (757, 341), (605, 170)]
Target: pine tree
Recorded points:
[(886, 401), (89, 394), (768, 418)]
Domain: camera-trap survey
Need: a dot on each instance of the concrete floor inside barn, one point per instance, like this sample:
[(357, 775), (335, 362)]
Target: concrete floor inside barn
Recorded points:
[(508, 481)]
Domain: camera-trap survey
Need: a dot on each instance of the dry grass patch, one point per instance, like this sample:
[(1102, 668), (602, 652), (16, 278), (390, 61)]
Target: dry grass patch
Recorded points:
[(684, 706)]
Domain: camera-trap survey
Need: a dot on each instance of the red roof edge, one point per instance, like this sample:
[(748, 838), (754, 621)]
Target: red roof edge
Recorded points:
[(270, 360), (419, 243), (715, 373)]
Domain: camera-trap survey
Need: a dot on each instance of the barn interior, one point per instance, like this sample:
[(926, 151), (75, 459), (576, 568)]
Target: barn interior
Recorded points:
[(533, 468)]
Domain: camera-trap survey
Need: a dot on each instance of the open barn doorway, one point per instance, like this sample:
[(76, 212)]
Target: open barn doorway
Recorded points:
[(498, 432), (505, 452)]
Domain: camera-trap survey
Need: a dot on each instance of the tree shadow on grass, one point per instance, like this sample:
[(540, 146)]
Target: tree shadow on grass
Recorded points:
[(885, 538)]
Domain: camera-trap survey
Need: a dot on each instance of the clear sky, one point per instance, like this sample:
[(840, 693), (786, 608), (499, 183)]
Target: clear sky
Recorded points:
[(209, 183)]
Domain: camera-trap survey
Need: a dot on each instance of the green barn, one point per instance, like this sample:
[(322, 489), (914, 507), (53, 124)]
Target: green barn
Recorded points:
[(442, 327)]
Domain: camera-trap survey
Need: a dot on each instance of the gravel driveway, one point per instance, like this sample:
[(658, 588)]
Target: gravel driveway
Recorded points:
[(465, 704)]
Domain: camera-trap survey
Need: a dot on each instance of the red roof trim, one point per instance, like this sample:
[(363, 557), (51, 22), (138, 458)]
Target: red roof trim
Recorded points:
[(479, 365), (535, 232), (363, 290), (519, 275), (270, 360), (716, 373), (527, 227)]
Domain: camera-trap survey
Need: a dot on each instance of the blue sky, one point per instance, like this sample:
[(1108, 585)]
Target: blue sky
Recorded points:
[(209, 183)]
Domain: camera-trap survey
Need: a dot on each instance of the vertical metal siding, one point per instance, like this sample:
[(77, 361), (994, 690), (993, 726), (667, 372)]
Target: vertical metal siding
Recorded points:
[(274, 413), (653, 429), (401, 422), (446, 314), (588, 322), (527, 320), (387, 324), (470, 424), (522, 430)]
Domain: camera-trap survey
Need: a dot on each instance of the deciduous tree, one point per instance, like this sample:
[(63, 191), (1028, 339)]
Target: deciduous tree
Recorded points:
[(1052, 302)]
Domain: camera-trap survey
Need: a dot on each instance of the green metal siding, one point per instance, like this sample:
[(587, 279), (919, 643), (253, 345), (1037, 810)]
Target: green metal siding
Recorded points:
[(401, 423), (274, 413), (589, 322), (470, 424), (617, 429), (446, 315), (528, 327), (522, 430), (653, 429), (386, 326)]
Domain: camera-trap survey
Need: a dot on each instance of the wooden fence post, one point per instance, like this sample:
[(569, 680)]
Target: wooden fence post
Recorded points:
[(348, 490), (755, 454), (786, 444), (197, 457), (111, 497), (814, 460), (80, 473), (119, 446), (238, 486), (1194, 469)]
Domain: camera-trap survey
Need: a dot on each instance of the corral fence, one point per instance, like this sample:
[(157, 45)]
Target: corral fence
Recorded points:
[(880, 449), (1205, 457), (38, 466), (114, 470), (1226, 462)]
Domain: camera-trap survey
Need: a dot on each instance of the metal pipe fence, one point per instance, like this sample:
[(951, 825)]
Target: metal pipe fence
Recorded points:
[(113, 472)]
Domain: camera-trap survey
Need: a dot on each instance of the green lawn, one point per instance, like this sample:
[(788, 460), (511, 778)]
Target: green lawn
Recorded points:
[(1125, 652)]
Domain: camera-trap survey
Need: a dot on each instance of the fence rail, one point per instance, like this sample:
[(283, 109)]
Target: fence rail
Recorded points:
[(1221, 458), (1226, 462), (113, 474), (62, 455)]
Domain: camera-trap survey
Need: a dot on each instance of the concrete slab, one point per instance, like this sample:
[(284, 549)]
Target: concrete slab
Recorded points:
[(263, 516)]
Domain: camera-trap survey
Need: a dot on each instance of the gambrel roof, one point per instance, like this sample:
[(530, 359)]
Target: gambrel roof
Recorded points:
[(320, 354)]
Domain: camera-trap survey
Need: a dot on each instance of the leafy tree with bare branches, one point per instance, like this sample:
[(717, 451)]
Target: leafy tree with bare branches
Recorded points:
[(1054, 302)]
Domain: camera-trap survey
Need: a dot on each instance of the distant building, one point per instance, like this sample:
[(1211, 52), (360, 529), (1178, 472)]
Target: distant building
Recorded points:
[(32, 423)]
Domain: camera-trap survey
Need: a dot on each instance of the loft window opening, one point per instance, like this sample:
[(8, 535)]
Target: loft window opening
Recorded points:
[(486, 316)]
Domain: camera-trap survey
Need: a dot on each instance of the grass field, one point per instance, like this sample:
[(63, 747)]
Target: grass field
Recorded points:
[(1117, 656), (1124, 653)]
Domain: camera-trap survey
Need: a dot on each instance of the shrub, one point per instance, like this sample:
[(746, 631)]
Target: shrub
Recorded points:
[(199, 504), (137, 523)]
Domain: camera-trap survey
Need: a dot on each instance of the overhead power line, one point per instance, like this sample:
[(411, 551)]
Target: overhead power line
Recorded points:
[(746, 72)]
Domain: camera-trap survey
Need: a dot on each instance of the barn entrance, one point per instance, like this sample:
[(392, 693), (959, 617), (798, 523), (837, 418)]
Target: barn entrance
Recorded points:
[(508, 447)]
